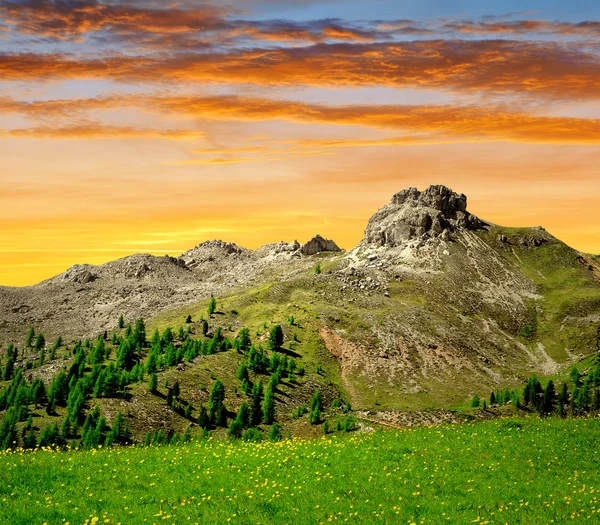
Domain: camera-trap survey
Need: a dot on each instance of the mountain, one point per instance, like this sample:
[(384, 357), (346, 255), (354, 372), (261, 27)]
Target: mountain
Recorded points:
[(433, 305)]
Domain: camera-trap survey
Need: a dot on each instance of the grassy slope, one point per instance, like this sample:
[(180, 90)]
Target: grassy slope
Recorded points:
[(569, 292), (503, 471), (567, 289)]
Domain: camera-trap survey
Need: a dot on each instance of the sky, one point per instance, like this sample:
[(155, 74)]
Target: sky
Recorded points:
[(151, 126)]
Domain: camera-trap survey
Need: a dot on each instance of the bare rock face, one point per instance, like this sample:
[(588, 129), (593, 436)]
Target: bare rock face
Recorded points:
[(80, 273), (318, 244), (412, 214)]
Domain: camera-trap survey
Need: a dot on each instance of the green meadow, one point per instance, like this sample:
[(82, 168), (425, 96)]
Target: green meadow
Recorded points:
[(499, 471)]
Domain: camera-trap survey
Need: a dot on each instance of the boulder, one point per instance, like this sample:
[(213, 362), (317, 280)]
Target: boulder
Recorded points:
[(318, 244)]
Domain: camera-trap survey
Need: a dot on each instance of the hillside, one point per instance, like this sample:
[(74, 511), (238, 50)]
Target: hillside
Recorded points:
[(431, 307)]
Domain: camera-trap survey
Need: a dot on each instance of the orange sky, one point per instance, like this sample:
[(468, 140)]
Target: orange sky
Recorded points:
[(150, 129)]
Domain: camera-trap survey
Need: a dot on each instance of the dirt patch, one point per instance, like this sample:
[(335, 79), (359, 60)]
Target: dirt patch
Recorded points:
[(348, 354)]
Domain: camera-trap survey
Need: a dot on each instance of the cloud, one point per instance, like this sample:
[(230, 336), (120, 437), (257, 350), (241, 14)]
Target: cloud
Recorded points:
[(98, 131), (523, 27), (548, 69), (72, 18), (431, 123)]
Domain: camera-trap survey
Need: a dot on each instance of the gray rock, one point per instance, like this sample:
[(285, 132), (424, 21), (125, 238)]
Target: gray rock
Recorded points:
[(433, 213), (318, 244)]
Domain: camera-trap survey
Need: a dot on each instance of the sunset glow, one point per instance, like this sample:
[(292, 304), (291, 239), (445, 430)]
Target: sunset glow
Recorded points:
[(150, 126)]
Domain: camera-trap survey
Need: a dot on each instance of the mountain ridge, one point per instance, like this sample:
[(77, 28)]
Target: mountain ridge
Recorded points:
[(432, 301)]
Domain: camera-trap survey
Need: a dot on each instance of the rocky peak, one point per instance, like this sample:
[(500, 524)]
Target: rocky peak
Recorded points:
[(319, 244), (412, 214)]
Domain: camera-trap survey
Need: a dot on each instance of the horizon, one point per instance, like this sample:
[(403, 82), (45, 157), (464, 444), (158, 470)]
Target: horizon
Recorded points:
[(253, 248), (131, 127)]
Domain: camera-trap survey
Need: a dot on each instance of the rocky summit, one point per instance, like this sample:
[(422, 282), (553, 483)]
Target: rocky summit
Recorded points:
[(413, 214), (432, 306)]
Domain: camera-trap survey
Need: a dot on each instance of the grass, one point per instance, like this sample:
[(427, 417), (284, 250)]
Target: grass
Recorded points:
[(501, 471)]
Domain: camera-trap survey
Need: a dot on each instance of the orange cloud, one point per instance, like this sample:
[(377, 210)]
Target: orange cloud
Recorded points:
[(99, 131), (65, 20), (498, 66), (434, 123)]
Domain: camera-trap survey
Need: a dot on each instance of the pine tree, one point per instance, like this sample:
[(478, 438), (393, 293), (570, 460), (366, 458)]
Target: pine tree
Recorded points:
[(215, 402), (547, 405), (125, 355), (243, 415), (176, 389), (596, 400), (204, 327), (212, 305), (203, 418), (256, 406), (492, 399), (242, 372), (121, 322), (40, 342), (243, 339), (153, 382), (235, 429), (275, 338), (188, 319), (29, 338), (152, 361), (269, 407), (574, 375), (316, 406), (275, 433)]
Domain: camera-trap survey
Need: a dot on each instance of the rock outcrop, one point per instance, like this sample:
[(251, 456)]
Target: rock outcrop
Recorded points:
[(412, 214), (318, 244)]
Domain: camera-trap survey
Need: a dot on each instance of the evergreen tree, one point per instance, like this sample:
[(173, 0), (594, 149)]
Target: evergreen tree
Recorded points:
[(548, 402), (203, 418), (235, 429), (316, 406), (121, 322), (152, 362), (29, 338), (275, 433), (275, 338), (204, 327), (38, 392), (59, 389), (492, 398), (153, 382), (125, 355), (256, 406), (243, 415), (40, 342), (139, 334), (574, 375), (596, 400), (98, 354), (176, 389), (242, 372), (269, 406), (215, 402), (188, 319), (212, 305), (243, 339), (584, 398)]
